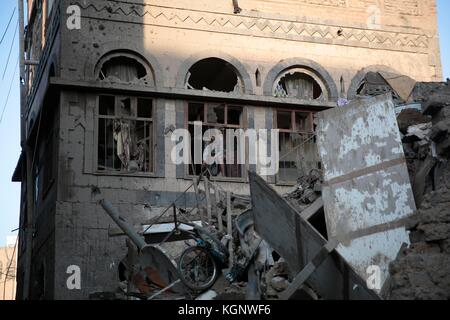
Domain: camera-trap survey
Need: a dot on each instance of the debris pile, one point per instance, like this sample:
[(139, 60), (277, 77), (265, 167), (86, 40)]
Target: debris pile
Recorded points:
[(265, 246), (308, 190), (422, 271)]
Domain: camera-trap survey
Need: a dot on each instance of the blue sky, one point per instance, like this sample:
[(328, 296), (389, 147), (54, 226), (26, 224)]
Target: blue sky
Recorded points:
[(9, 127), (444, 29)]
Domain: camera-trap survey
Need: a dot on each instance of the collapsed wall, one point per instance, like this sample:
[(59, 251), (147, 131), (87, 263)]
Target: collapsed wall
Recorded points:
[(422, 271)]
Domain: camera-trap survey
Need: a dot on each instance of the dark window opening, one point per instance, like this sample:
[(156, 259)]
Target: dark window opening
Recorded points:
[(298, 85), (258, 78), (196, 112), (234, 115), (122, 272), (122, 69), (106, 106), (214, 74), (284, 120), (144, 108), (125, 134)]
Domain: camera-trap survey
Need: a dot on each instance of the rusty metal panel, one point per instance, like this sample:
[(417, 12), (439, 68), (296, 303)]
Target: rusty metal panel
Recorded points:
[(367, 192)]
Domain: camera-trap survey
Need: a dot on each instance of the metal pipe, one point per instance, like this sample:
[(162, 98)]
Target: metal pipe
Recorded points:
[(31, 62), (121, 222), (237, 9)]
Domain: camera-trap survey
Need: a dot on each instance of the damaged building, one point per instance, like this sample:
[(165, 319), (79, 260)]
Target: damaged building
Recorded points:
[(100, 104)]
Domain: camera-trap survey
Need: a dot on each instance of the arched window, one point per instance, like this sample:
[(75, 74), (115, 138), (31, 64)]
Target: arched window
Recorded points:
[(374, 84), (214, 74), (124, 67), (299, 83), (377, 80)]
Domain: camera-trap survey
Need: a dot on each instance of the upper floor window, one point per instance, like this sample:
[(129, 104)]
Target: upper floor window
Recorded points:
[(298, 154), (299, 83), (222, 117), (374, 84), (124, 67), (214, 74), (125, 134)]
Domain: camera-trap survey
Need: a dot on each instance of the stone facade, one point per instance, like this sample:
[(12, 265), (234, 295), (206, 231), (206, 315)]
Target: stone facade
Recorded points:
[(334, 42), (8, 267)]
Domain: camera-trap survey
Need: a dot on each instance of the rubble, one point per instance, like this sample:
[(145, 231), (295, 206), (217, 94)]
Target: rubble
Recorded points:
[(307, 190), (422, 270), (280, 247)]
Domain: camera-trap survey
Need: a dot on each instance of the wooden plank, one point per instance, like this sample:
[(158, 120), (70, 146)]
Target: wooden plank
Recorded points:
[(215, 209), (208, 200), (230, 230), (219, 213), (197, 196)]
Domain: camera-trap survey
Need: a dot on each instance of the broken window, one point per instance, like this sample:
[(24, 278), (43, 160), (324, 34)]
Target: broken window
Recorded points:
[(125, 134), (214, 74), (124, 67), (298, 84), (222, 117), (375, 84), (298, 154)]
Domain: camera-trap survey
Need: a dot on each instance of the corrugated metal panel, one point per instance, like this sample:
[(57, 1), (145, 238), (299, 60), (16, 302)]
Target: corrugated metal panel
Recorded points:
[(367, 192)]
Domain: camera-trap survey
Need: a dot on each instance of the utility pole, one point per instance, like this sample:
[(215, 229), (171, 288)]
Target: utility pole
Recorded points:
[(29, 159)]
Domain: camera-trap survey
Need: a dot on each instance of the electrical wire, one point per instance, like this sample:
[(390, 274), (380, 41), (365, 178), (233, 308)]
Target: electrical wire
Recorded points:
[(7, 27), (9, 92), (10, 50)]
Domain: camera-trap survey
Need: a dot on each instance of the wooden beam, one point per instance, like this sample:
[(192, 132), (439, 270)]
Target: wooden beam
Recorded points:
[(196, 181), (208, 200), (219, 213), (230, 230)]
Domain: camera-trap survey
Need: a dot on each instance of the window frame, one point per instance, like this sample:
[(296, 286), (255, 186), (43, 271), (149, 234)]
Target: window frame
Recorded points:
[(278, 180), (325, 94), (98, 116), (243, 125)]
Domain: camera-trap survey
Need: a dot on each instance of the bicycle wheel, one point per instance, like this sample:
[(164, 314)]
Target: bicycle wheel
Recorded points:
[(197, 268)]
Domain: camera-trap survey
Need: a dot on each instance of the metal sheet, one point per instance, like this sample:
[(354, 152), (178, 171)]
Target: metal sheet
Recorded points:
[(367, 192)]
